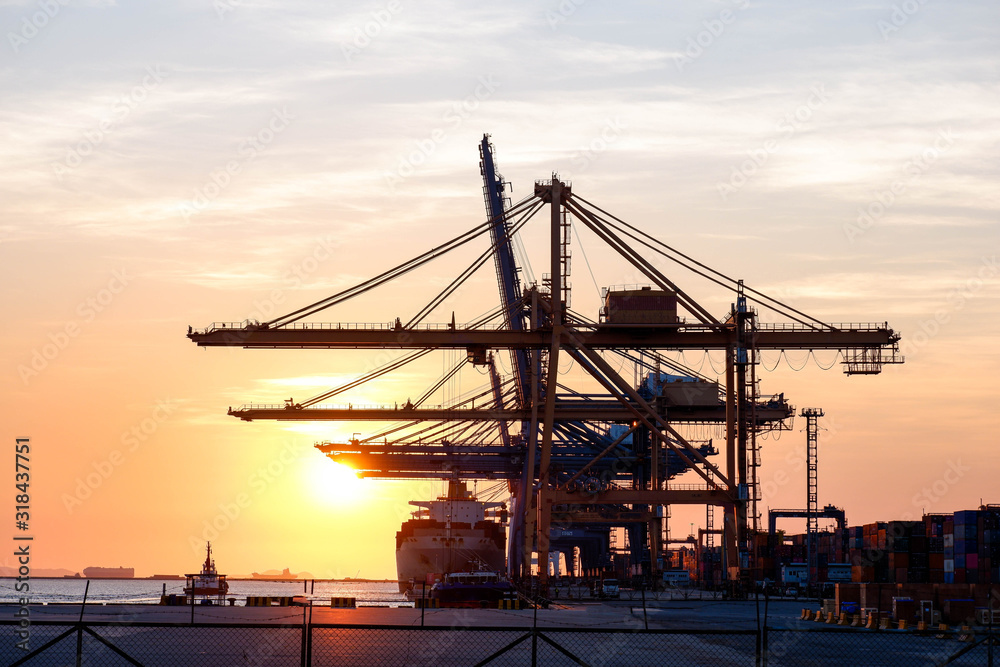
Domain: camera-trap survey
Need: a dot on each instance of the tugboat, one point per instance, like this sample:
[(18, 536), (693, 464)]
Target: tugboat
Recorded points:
[(208, 584)]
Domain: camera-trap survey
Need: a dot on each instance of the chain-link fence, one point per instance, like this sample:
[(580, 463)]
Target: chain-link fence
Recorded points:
[(100, 644)]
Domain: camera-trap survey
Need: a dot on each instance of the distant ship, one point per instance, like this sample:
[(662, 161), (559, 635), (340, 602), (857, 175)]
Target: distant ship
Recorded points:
[(109, 572), (448, 535), (286, 574)]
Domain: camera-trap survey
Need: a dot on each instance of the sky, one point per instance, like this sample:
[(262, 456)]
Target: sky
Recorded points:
[(178, 163)]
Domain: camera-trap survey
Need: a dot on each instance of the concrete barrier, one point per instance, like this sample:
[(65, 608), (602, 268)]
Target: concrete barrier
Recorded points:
[(173, 600), (343, 603), (268, 601), (509, 604)]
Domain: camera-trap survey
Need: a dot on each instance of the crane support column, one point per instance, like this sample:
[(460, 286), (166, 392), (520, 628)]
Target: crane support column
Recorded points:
[(544, 502)]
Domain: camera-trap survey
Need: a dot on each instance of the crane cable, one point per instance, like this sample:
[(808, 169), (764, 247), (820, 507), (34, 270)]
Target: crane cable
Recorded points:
[(395, 272), (653, 240), (381, 370), (472, 268)]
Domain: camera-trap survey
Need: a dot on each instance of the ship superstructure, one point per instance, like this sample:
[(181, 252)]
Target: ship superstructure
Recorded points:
[(457, 532)]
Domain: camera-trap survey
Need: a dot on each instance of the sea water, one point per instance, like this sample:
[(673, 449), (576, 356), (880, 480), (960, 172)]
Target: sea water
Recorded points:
[(148, 591)]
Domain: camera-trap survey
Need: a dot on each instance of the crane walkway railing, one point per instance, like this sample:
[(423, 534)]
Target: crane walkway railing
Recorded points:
[(839, 326), (350, 326), (362, 406)]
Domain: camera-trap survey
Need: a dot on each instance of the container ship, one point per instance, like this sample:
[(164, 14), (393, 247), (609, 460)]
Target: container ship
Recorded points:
[(286, 575), (109, 573), (455, 533)]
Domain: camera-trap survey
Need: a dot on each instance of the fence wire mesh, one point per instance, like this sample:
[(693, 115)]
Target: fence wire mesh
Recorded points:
[(173, 645)]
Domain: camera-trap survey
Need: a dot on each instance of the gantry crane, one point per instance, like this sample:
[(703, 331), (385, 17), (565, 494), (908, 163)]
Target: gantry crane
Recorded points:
[(566, 464)]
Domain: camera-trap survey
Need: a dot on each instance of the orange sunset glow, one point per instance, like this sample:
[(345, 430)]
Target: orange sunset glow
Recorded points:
[(170, 166)]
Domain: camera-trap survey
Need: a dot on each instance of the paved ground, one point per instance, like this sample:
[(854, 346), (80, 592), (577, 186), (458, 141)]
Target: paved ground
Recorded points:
[(692, 614)]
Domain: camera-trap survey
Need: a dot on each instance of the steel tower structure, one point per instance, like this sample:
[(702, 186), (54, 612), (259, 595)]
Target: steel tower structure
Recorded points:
[(812, 416)]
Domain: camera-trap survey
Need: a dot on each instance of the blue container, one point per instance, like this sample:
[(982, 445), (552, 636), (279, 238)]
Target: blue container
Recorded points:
[(949, 577), (965, 517), (959, 561)]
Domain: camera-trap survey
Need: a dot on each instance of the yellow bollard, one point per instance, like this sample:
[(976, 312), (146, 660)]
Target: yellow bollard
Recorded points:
[(903, 623)]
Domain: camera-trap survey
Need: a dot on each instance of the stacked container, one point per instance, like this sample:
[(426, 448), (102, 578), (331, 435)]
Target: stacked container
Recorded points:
[(963, 548), (710, 567), (934, 528), (967, 547), (989, 545)]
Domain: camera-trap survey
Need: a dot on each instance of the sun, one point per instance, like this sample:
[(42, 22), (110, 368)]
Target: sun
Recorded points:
[(336, 484)]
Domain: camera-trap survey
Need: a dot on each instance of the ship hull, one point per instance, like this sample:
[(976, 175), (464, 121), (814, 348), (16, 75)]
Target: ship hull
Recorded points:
[(421, 551)]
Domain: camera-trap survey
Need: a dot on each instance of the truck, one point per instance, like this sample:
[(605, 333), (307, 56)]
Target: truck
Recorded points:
[(676, 577), (795, 574)]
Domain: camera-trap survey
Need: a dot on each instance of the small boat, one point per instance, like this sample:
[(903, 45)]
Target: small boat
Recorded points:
[(208, 583), (472, 589)]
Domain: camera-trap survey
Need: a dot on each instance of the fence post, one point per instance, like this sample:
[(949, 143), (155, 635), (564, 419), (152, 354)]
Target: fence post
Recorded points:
[(758, 639), (534, 635), (79, 627), (423, 601), (989, 617), (302, 647), (763, 628), (645, 619)]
